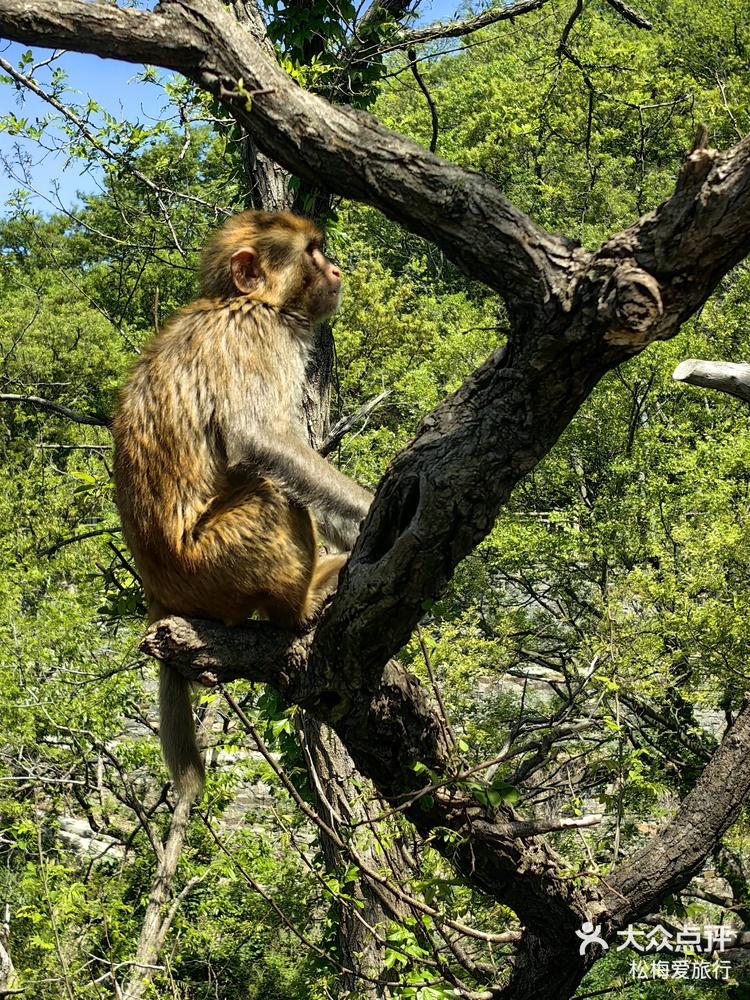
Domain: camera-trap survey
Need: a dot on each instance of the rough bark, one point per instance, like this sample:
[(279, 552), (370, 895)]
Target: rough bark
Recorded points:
[(267, 182), (667, 862), (495, 851), (385, 736), (575, 315), (441, 494)]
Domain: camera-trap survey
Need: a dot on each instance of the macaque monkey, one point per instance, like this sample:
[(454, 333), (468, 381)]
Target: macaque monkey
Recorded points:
[(220, 494)]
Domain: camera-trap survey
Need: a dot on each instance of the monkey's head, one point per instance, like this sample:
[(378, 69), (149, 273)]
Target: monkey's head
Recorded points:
[(275, 257)]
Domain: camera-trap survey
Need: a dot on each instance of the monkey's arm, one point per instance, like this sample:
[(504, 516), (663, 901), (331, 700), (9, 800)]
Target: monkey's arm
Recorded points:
[(337, 502)]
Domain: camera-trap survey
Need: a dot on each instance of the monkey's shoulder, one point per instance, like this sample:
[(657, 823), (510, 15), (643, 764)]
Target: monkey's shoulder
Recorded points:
[(251, 310), (232, 305), (235, 307), (218, 322)]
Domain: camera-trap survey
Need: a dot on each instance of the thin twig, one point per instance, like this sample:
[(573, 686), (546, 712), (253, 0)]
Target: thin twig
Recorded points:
[(52, 549), (428, 97), (92, 419), (348, 847)]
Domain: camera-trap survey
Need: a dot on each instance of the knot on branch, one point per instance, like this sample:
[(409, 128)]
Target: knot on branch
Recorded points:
[(630, 304), (455, 201), (402, 507), (163, 642)]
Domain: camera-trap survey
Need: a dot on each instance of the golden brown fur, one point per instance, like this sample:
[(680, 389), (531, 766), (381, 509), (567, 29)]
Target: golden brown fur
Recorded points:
[(218, 490)]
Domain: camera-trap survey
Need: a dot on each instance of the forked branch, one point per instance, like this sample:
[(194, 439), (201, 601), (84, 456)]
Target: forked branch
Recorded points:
[(496, 850), (462, 212)]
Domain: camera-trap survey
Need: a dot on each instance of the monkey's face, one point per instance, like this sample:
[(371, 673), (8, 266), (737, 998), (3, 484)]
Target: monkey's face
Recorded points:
[(292, 274), (321, 290), (275, 258)]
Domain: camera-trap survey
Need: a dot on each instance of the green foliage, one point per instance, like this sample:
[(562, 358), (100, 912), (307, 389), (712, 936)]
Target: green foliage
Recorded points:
[(587, 142), (318, 46)]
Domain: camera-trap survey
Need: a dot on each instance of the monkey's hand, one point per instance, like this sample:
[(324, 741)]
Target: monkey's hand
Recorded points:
[(337, 502), (339, 532)]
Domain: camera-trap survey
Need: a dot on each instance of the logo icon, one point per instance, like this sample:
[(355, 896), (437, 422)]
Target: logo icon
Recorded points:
[(591, 935)]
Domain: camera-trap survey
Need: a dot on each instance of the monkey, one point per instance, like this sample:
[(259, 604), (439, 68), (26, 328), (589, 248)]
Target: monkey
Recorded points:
[(221, 497)]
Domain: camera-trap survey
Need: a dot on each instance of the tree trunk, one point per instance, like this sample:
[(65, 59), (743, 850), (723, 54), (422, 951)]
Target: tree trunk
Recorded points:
[(9, 981), (330, 769), (158, 919), (361, 928)]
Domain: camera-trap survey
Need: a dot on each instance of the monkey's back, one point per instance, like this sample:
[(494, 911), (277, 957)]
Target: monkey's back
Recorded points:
[(164, 467), (182, 418)]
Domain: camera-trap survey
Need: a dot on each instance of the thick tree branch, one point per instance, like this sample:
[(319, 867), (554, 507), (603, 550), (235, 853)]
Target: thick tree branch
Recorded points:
[(724, 376), (630, 15), (464, 26), (395, 9), (462, 212), (504, 12), (399, 726), (574, 316), (206, 651), (441, 494), (386, 736), (667, 862)]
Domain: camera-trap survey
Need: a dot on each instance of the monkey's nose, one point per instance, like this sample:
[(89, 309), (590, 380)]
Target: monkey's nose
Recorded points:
[(335, 272)]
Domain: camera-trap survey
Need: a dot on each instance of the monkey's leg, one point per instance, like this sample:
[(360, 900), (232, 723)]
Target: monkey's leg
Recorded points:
[(253, 551), (276, 566), (176, 725), (325, 580)]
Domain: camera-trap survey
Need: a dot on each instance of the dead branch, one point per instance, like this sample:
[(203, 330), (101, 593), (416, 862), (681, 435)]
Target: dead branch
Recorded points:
[(724, 376)]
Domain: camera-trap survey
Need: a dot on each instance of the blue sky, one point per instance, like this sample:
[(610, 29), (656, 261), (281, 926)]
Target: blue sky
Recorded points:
[(113, 85), (109, 82)]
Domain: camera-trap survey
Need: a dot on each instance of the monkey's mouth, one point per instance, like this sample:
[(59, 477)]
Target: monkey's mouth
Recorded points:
[(330, 303)]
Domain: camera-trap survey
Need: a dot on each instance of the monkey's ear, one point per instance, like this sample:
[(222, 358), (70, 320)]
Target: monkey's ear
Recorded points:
[(245, 269)]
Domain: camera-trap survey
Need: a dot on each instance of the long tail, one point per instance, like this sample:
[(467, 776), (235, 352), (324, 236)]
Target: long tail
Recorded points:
[(177, 734)]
